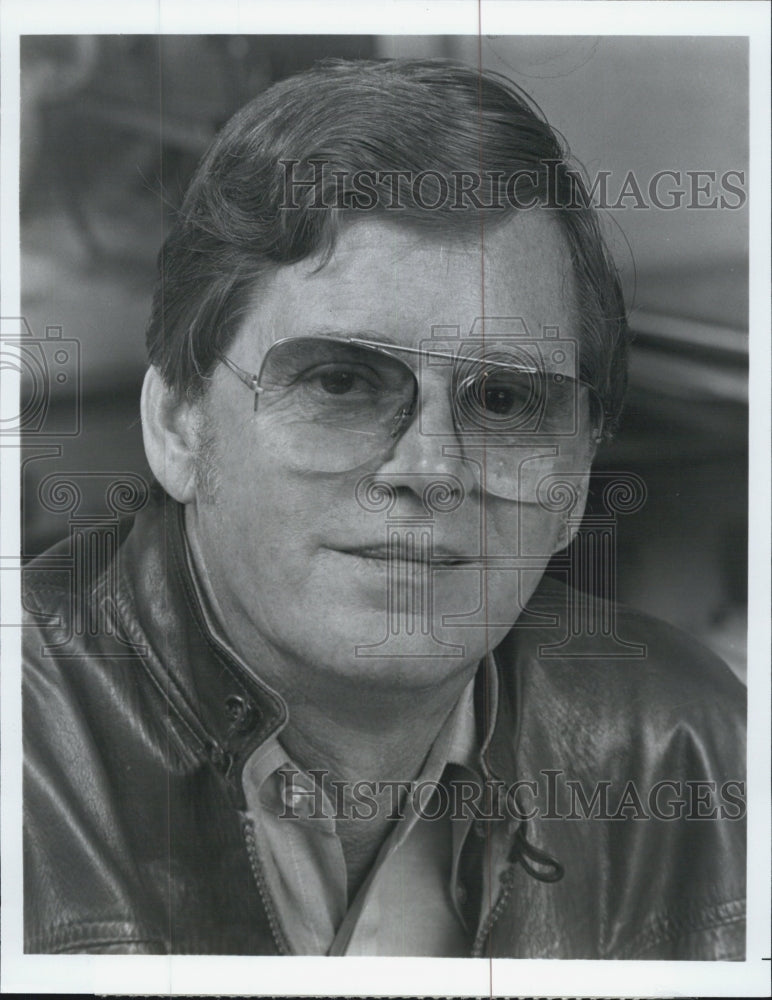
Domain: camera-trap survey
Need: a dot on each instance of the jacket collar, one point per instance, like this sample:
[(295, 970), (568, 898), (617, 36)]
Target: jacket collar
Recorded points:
[(226, 709)]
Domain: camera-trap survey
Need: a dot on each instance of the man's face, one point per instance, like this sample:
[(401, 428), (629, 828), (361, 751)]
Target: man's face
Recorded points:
[(299, 560)]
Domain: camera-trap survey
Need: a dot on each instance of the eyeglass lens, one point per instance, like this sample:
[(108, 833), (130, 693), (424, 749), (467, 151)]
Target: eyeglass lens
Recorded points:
[(337, 405)]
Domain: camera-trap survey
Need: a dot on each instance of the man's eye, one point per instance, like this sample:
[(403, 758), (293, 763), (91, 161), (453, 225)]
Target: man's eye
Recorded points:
[(500, 396), (500, 400), (339, 381)]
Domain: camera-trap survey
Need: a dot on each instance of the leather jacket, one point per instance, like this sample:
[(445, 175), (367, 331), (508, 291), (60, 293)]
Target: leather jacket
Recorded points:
[(137, 729)]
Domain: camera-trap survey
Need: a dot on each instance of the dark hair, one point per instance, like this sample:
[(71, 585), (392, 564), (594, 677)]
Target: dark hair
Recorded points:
[(239, 220)]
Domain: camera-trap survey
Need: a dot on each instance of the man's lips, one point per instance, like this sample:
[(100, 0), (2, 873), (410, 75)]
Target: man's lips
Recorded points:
[(435, 556)]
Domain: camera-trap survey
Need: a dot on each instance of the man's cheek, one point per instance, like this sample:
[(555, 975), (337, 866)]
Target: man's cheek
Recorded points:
[(515, 531)]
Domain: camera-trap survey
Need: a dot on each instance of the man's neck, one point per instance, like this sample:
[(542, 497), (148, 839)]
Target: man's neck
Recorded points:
[(373, 737), (387, 757)]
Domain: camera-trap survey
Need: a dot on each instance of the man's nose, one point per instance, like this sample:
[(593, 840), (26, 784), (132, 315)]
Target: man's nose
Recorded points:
[(428, 448)]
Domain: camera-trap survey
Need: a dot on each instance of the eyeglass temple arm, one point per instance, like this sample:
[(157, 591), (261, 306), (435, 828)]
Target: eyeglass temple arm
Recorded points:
[(250, 380)]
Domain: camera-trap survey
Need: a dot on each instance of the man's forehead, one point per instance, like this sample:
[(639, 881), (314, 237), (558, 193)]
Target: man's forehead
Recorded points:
[(524, 241), (391, 281)]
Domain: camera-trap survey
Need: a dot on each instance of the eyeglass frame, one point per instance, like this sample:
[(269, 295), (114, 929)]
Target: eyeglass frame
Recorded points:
[(252, 380)]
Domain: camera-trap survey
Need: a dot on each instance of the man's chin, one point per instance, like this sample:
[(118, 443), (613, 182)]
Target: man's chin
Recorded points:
[(409, 651)]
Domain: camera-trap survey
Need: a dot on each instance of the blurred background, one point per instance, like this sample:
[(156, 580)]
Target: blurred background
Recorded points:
[(113, 126)]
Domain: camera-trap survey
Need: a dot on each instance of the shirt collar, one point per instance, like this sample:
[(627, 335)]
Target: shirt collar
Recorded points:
[(456, 743)]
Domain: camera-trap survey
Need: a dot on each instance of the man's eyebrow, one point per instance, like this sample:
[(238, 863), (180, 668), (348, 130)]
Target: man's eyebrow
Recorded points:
[(354, 334), (375, 339)]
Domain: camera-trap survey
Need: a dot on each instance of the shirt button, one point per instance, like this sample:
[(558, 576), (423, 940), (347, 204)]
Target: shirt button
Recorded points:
[(461, 894)]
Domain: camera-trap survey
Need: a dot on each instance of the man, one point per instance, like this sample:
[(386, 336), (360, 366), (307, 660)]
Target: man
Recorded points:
[(332, 706)]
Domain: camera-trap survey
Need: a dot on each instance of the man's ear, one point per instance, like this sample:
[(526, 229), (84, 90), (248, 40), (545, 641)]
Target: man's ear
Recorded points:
[(169, 431)]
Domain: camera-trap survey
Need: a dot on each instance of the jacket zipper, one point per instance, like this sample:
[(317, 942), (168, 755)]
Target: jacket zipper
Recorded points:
[(527, 855), (506, 882), (254, 862)]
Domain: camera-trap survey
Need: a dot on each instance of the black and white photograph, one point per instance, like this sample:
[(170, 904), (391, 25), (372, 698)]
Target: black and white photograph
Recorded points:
[(385, 528)]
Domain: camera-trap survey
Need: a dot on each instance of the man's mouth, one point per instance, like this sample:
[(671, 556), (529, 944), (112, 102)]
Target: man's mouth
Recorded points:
[(405, 552)]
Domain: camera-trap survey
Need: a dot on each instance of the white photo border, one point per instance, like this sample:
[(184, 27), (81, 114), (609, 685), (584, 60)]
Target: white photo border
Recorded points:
[(452, 977)]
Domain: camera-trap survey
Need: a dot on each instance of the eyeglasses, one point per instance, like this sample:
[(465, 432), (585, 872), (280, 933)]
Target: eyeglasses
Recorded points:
[(334, 404)]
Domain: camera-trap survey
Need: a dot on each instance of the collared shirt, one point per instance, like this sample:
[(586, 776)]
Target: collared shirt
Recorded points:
[(410, 902)]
